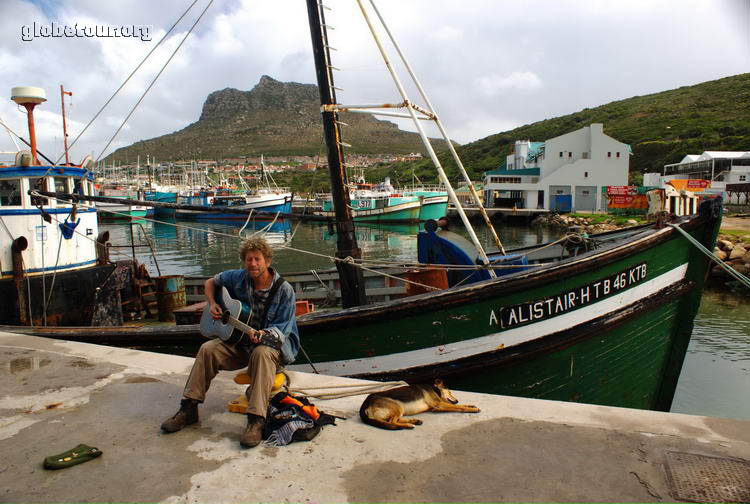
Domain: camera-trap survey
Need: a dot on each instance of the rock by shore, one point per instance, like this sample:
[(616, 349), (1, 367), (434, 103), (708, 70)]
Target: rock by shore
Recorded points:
[(561, 221), (734, 251)]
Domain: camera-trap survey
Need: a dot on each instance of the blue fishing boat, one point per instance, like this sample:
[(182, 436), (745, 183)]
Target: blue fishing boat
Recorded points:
[(268, 204)]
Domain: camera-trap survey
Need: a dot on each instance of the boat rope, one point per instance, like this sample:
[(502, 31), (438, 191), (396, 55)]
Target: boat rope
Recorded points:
[(250, 214), (54, 274), (154, 80), (347, 390), (732, 272), (265, 228), (128, 78)]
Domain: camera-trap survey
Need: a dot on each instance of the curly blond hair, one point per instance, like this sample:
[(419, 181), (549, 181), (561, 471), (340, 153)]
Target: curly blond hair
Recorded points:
[(256, 244)]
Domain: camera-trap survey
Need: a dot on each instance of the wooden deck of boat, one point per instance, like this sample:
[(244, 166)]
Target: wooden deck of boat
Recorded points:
[(58, 394)]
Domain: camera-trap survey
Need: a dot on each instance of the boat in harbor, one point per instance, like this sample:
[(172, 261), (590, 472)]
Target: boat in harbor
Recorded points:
[(268, 203), (602, 319), (607, 323), (434, 202), (122, 211), (377, 203), (53, 262)]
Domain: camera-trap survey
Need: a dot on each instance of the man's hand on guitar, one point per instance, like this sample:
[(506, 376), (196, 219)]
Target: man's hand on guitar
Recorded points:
[(254, 337), (216, 311)]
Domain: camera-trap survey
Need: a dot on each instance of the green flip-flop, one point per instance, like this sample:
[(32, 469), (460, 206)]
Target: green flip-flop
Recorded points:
[(78, 455)]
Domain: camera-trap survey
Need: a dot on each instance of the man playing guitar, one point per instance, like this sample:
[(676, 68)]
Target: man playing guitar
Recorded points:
[(273, 339)]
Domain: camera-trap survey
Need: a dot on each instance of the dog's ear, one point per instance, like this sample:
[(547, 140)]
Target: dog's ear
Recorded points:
[(438, 382)]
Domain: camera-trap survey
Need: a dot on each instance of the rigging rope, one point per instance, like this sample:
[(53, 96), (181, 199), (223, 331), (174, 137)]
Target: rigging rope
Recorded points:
[(129, 77), (154, 80), (733, 272)]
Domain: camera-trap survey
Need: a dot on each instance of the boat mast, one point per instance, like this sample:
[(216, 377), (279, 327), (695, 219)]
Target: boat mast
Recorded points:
[(352, 281), (65, 125)]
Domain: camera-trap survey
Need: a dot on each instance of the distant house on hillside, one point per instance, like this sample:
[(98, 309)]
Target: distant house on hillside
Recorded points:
[(572, 167)]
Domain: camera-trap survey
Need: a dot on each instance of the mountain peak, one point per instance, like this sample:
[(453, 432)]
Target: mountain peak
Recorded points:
[(274, 117)]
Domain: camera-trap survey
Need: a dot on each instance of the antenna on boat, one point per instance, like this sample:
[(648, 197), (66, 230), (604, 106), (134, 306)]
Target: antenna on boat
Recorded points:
[(352, 280), (29, 97), (65, 126)]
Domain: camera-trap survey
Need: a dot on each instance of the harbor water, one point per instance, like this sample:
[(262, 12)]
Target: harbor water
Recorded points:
[(715, 376)]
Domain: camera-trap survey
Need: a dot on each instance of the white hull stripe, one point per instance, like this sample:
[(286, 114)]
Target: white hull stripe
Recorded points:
[(452, 351), (60, 267)]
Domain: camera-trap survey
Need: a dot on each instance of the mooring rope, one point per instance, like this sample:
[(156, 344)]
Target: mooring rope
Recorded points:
[(732, 272)]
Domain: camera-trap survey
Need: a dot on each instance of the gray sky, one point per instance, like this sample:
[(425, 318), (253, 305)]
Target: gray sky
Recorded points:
[(487, 65)]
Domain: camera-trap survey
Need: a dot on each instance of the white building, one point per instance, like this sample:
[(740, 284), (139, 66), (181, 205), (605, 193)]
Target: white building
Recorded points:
[(724, 167), (719, 167), (570, 168)]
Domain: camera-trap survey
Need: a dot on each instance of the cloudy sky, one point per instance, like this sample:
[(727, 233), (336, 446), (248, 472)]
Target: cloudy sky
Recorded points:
[(487, 65)]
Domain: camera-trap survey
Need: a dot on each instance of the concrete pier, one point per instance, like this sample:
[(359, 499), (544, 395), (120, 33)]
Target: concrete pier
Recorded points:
[(56, 394)]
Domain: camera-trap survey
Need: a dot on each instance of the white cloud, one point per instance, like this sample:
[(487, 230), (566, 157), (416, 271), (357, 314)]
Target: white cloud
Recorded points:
[(516, 81), (481, 62)]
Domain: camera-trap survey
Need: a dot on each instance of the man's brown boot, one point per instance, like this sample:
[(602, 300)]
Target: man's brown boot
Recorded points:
[(254, 431), (187, 415)]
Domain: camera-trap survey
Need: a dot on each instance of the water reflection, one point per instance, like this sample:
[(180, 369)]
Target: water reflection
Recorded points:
[(21, 364), (716, 373)]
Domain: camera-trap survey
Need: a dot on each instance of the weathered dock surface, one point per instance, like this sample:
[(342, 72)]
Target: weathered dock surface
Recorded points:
[(58, 394)]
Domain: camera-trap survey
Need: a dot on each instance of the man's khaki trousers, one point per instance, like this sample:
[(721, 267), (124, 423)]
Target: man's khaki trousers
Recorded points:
[(262, 361)]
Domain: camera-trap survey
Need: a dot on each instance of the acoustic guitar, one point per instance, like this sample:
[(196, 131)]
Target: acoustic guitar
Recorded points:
[(232, 327)]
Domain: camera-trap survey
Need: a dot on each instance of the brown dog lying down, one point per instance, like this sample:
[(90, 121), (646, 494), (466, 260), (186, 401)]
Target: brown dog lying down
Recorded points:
[(386, 409)]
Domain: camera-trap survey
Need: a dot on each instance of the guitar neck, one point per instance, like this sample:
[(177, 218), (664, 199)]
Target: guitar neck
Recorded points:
[(237, 324)]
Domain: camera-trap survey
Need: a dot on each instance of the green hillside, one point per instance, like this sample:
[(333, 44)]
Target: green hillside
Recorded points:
[(661, 128)]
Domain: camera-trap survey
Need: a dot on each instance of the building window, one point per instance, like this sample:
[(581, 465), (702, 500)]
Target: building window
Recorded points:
[(584, 193), (560, 153), (585, 174), (743, 178), (618, 154), (609, 154), (10, 193), (570, 154)]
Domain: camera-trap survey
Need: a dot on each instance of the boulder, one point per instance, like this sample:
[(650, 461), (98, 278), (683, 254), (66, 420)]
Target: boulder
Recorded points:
[(746, 257), (725, 245), (632, 222), (721, 254), (737, 253), (742, 269)]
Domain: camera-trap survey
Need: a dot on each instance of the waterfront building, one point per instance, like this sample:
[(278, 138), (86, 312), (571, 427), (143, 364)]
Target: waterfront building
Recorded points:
[(720, 168), (560, 174)]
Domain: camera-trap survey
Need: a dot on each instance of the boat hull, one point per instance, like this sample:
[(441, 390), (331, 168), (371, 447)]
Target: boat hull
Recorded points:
[(269, 209), (71, 299), (433, 207), (407, 212)]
